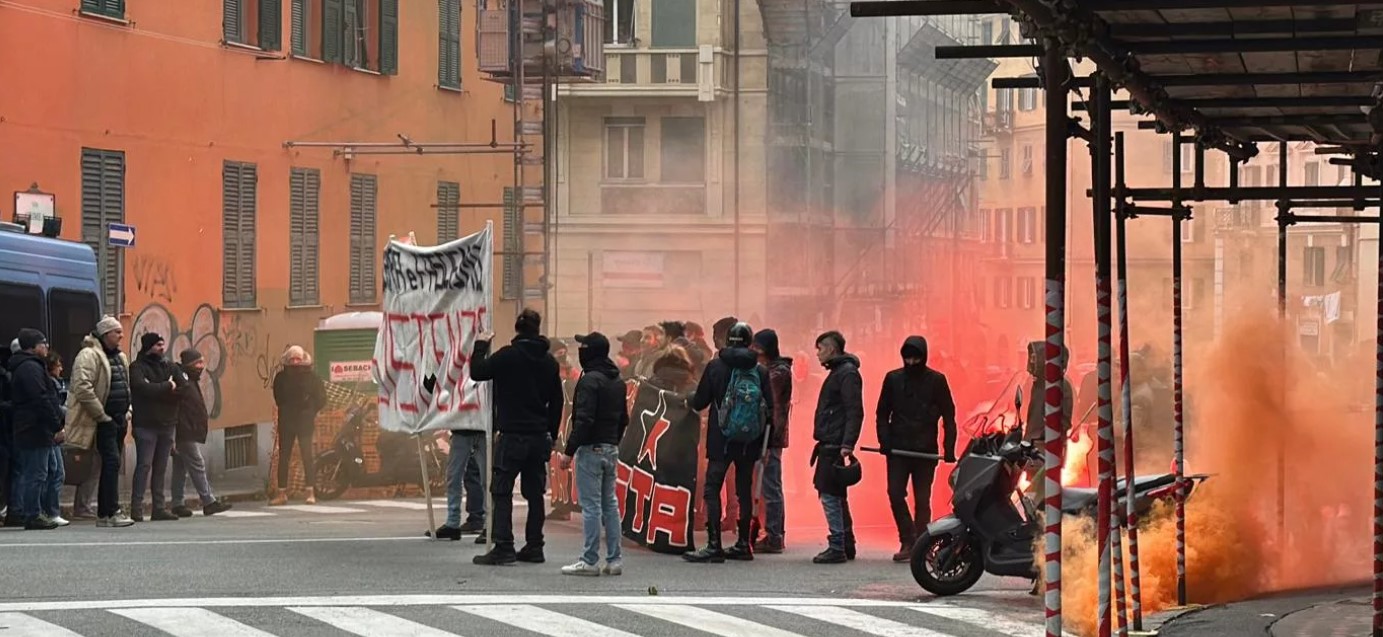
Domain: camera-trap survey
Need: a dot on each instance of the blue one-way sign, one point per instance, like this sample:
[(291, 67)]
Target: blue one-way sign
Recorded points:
[(121, 235)]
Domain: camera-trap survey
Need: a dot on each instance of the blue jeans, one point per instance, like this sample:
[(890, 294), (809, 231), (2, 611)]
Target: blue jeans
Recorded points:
[(189, 463), (838, 521), (42, 476), (465, 466), (595, 485), (773, 493)]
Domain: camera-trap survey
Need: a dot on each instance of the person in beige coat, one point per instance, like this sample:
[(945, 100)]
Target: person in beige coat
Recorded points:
[(98, 407)]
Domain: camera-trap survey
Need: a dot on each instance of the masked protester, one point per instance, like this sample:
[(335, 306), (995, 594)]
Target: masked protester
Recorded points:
[(598, 420), (839, 416), (191, 435), (629, 353), (154, 383), (528, 413), (913, 398), (780, 379), (738, 389)]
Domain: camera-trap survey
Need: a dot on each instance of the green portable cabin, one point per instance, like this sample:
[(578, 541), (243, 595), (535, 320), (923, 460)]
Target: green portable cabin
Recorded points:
[(343, 346)]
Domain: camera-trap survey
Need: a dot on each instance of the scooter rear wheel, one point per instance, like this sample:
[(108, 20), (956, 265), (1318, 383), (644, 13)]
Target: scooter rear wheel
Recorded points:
[(330, 481), (963, 574)]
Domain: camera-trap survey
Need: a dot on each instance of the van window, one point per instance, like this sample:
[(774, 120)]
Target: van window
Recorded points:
[(73, 315), (23, 307)]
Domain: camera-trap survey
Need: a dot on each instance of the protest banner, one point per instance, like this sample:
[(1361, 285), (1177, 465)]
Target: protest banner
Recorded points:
[(655, 481), (562, 481), (436, 301)]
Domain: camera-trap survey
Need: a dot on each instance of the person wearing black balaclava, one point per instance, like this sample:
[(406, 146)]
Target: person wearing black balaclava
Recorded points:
[(154, 384), (911, 401)]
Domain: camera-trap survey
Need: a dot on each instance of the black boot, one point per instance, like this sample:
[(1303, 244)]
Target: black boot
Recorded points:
[(742, 551), (712, 552), (849, 545), (769, 545)]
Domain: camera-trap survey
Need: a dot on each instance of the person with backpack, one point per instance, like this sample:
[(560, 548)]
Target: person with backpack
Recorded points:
[(912, 400), (737, 389)]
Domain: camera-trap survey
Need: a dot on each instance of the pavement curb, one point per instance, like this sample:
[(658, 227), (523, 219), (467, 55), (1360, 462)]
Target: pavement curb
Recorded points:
[(1155, 622)]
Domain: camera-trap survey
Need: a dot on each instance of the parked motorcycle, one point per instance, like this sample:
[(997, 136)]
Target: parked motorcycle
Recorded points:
[(343, 466), (988, 531)]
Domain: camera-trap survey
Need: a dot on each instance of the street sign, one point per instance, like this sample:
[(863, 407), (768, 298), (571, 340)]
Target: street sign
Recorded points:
[(120, 235)]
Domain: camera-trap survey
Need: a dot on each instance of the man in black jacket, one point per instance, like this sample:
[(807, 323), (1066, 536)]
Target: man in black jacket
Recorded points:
[(154, 383), (36, 415), (839, 416), (913, 398), (780, 379), (9, 462), (191, 435), (528, 411), (599, 416), (722, 452)]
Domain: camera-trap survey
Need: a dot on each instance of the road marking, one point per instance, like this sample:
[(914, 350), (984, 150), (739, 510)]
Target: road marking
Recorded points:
[(707, 621), (392, 504), (862, 622), (370, 623), (243, 514), (20, 625), (991, 621), (542, 621), (190, 622), (317, 508), (297, 540), (443, 600)]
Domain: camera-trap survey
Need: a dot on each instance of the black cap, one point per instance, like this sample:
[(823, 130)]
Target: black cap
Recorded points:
[(594, 340), (30, 338), (148, 341)]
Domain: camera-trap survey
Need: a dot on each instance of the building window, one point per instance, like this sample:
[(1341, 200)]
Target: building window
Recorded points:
[(304, 40), (983, 166), (256, 23), (448, 211), (1005, 163), (683, 150), (1003, 292), (1028, 293), (362, 34), (239, 183), (986, 32), (103, 203), (512, 275), (1027, 225), (1344, 261), (449, 43), (1027, 159), (674, 24), (242, 447), (1188, 158), (1004, 226), (1027, 99), (624, 148), (304, 187), (107, 8), (363, 282), (986, 225), (1313, 173), (619, 21), (1314, 262)]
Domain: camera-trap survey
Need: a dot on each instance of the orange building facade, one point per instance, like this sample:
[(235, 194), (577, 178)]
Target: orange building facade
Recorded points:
[(173, 117)]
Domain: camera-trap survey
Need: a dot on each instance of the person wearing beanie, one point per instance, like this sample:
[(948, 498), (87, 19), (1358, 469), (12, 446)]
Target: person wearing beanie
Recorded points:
[(630, 353), (154, 385), (780, 383), (599, 417), (98, 408), (191, 435), (527, 390), (913, 398), (37, 424), (299, 395)]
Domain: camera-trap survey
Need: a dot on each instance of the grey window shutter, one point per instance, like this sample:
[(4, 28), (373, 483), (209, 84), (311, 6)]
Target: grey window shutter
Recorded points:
[(103, 203), (311, 238), (270, 24), (230, 233), (369, 278), (351, 53), (449, 43), (357, 223), (298, 18), (249, 187), (333, 30), (448, 211), (389, 37), (362, 268), (232, 28), (297, 221)]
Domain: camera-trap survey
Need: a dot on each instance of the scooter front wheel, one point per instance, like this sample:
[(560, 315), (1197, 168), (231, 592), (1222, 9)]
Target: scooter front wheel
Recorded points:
[(330, 481), (963, 568)]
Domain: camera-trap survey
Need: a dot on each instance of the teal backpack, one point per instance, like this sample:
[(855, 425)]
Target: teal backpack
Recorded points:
[(743, 413)]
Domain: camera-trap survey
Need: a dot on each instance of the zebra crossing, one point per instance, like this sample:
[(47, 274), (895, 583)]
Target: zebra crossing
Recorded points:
[(342, 508), (506, 615)]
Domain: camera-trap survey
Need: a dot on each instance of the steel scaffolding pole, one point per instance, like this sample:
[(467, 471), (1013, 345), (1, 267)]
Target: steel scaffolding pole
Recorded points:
[(1178, 431), (1100, 126), (1126, 393)]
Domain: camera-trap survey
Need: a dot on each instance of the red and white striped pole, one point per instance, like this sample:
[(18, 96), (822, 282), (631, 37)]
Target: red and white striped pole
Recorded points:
[(1057, 75), (1099, 151), (1130, 514), (1116, 517), (1178, 455), (1378, 458)]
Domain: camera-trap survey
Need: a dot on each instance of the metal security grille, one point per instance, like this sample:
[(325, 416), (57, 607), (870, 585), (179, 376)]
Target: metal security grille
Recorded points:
[(242, 447)]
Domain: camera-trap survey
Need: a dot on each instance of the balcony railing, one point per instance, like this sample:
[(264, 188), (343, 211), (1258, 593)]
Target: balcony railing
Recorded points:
[(698, 72), (659, 199)]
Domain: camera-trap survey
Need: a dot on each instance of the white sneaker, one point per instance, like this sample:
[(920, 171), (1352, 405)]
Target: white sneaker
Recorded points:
[(115, 521), (615, 567), (62, 521), (581, 568)]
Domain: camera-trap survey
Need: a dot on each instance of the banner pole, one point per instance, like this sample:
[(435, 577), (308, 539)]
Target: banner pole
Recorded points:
[(427, 488), (489, 390)]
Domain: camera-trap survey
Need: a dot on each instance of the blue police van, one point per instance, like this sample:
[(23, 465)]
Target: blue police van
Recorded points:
[(50, 284)]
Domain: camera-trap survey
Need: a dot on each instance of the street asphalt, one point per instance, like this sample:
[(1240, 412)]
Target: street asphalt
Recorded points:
[(357, 567)]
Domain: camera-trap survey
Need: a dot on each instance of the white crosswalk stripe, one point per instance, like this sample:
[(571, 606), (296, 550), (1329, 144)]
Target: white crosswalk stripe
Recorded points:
[(394, 504), (513, 615), (317, 508)]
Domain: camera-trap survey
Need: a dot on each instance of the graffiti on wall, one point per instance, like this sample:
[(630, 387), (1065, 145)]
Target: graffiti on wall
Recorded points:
[(154, 277), (201, 333), (268, 364), (240, 336)]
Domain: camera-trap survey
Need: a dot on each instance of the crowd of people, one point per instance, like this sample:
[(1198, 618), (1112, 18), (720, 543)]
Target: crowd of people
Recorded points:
[(745, 384), (107, 395)]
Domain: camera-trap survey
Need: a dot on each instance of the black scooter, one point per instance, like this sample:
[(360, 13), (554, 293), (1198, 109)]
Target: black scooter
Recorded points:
[(343, 466), (987, 532)]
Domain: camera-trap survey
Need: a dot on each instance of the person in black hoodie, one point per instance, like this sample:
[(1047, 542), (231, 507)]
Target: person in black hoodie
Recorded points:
[(154, 383), (913, 398), (37, 421), (599, 416), (780, 378), (839, 416), (528, 412), (9, 462), (723, 453)]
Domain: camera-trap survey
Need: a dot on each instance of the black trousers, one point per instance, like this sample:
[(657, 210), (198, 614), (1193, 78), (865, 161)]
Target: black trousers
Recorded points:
[(301, 436), (744, 490), (110, 445), (523, 457), (920, 473)]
